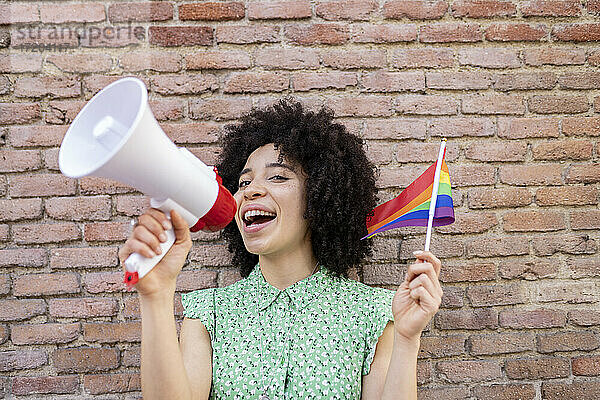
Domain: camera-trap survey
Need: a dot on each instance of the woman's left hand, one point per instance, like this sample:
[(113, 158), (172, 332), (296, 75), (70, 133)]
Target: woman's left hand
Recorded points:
[(418, 298)]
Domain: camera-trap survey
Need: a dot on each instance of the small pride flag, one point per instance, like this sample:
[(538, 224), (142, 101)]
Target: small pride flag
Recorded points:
[(415, 205)]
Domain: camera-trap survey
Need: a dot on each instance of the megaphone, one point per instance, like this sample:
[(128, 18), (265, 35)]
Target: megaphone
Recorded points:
[(116, 136)]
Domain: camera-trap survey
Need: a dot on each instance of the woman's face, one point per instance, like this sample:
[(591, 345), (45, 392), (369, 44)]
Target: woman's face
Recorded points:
[(271, 202)]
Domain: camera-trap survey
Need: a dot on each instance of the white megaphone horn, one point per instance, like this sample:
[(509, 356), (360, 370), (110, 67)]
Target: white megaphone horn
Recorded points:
[(116, 136)]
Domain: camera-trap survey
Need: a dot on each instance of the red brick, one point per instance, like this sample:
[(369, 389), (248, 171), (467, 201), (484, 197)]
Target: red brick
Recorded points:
[(82, 307), (20, 62), (500, 343), (51, 86), (140, 12), (548, 174), (458, 127), (349, 59), (552, 8), (79, 208), (463, 371), (505, 392), (566, 292), (196, 279), (200, 132), (361, 106), (41, 185), (585, 219), (528, 270), (45, 233), (594, 58), (12, 14), (63, 13), (520, 128), (218, 60), (22, 359), (171, 36), (150, 60), (423, 58), (63, 112), (112, 383), (553, 56), (4, 334), (497, 247), (17, 310), (563, 150), (228, 277), (347, 10), (441, 346), (468, 272), (574, 390), (593, 6), (448, 246), (44, 39), (219, 109), (114, 37), (394, 129), (589, 173), (384, 33), (398, 9), (584, 317), (382, 81), (4, 287), (19, 209), (476, 319), (26, 385), (533, 221), (46, 284), (19, 113), (106, 231), (537, 368), (445, 392), (113, 332), (482, 8), (450, 32), (468, 80), (532, 319), (589, 32), (247, 34), (470, 222), (169, 85), (86, 257), (497, 151), (586, 365), (211, 11), (303, 81), (546, 104), (210, 255), (167, 110), (496, 295), (525, 81), (85, 359), (473, 175), (578, 80), (517, 32), (493, 104), (104, 282), (567, 341), (131, 356), (94, 186), (44, 333), (570, 244), (426, 105), (568, 195), (256, 82), (19, 160), (81, 63), (279, 10), (489, 57), (583, 267), (23, 257), (309, 35), (581, 126), (380, 153), (286, 58)]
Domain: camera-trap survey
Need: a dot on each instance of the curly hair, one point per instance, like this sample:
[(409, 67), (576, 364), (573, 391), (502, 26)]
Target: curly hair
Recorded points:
[(340, 185)]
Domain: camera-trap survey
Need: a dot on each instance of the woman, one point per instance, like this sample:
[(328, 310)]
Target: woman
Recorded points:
[(295, 326)]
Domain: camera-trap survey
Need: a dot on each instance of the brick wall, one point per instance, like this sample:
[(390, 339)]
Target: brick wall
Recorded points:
[(513, 86)]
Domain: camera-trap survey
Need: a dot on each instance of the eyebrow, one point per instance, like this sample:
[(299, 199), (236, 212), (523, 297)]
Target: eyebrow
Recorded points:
[(270, 165)]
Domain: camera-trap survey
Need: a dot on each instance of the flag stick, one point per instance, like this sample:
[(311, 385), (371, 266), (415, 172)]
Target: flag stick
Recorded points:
[(434, 192)]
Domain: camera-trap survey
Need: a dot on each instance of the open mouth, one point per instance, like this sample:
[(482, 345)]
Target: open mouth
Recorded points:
[(257, 217)]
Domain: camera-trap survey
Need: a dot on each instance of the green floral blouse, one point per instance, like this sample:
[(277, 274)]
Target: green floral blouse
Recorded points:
[(317, 336)]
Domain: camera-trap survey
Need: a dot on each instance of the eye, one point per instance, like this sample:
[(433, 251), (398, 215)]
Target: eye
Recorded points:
[(279, 178), (243, 184)]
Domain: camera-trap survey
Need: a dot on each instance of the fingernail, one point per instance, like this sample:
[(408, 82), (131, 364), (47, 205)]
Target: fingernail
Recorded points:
[(162, 237), (158, 250), (167, 225), (417, 252)]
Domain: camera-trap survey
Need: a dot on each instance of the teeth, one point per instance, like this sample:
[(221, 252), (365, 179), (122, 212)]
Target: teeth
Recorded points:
[(253, 213)]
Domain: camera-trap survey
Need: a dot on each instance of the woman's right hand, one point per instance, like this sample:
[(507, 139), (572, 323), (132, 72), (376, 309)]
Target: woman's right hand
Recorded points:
[(146, 238)]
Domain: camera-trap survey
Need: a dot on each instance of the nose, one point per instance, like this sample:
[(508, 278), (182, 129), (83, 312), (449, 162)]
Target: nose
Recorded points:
[(253, 190)]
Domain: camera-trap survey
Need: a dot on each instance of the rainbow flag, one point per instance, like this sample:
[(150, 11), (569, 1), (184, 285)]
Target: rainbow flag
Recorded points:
[(411, 207)]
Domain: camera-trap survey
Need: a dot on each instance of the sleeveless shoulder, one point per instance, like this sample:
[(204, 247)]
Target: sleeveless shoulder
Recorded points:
[(199, 304), (378, 307)]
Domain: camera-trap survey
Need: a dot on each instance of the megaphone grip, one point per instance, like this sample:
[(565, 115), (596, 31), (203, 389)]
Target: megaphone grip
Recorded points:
[(140, 265)]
